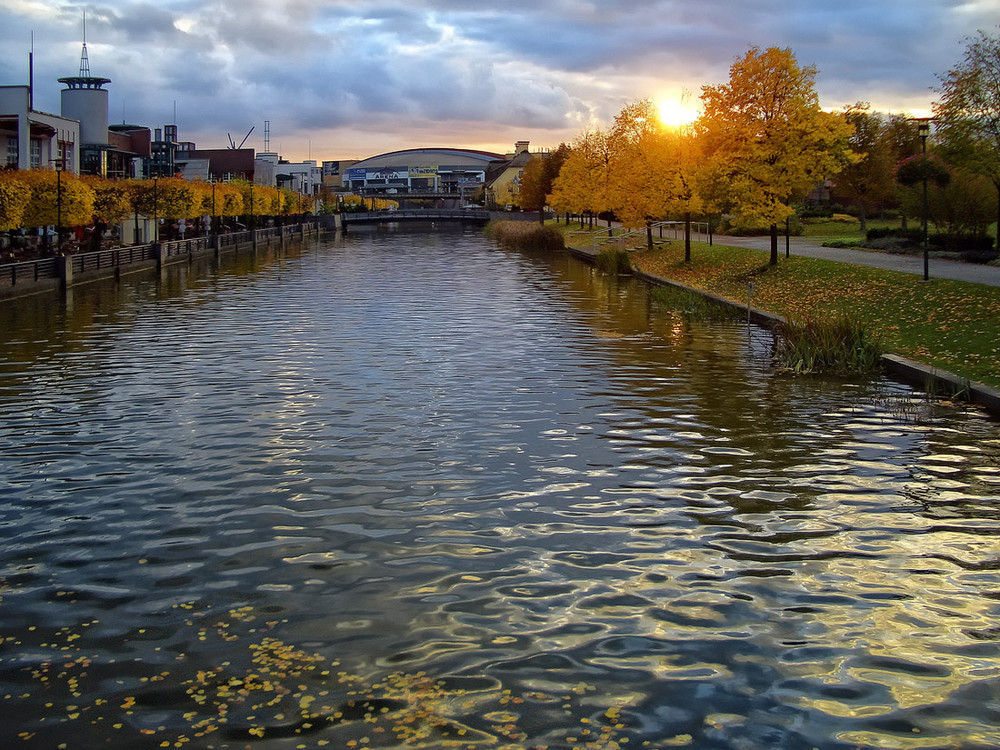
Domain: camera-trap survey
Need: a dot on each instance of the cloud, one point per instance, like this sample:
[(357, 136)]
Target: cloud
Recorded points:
[(448, 68)]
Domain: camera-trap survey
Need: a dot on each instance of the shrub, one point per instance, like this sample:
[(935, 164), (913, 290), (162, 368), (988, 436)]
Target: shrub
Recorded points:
[(845, 242), (525, 235), (823, 211), (914, 234), (732, 226), (842, 345), (892, 244), (613, 260), (976, 256), (961, 243)]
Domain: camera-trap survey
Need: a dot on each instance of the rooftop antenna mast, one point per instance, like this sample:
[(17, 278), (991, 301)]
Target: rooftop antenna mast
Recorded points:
[(31, 73), (84, 61)]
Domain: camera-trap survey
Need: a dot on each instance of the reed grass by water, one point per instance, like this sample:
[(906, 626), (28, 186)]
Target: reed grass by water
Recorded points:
[(843, 344), (613, 260), (525, 235), (692, 304)]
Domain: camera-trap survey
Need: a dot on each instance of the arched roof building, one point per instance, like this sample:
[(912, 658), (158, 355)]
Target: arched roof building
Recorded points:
[(423, 170)]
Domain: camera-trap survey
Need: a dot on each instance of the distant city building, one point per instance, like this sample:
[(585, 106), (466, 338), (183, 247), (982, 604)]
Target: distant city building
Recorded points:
[(334, 173), (86, 100), (422, 171), (304, 177), (30, 139)]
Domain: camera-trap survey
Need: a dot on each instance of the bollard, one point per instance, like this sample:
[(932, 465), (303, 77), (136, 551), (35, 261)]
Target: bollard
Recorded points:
[(65, 265)]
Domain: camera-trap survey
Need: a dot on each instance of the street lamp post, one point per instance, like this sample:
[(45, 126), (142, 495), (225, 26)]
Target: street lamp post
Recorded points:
[(59, 169), (924, 130), (253, 223)]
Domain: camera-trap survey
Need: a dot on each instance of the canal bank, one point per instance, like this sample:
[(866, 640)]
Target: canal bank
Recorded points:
[(933, 380), (46, 275)]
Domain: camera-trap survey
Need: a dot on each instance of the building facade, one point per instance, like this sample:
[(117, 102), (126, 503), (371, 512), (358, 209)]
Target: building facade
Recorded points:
[(425, 171), (35, 140)]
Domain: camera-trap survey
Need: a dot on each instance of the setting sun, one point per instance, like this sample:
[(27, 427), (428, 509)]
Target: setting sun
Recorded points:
[(677, 112)]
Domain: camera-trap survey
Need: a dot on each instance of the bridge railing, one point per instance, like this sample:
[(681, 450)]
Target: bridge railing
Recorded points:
[(448, 214)]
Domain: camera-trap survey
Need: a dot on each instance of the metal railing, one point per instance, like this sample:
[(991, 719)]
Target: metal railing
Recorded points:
[(45, 269), (449, 214), (618, 235)]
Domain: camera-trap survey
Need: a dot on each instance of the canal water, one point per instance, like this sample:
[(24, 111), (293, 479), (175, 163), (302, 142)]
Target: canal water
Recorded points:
[(407, 489)]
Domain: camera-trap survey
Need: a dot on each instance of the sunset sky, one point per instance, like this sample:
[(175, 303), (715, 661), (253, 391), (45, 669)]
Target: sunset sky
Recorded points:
[(341, 79)]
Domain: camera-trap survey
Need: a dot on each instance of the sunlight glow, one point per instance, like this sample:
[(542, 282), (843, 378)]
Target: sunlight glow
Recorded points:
[(676, 113)]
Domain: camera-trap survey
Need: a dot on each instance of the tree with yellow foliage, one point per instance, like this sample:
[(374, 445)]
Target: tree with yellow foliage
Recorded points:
[(767, 138), (14, 198), (685, 167), (582, 184), (112, 198), (537, 180), (58, 199), (638, 168)]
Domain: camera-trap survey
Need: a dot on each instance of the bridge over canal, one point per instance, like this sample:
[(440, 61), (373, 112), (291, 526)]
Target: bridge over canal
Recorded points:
[(471, 216)]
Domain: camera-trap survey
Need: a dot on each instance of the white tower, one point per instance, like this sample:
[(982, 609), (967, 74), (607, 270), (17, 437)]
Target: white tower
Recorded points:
[(85, 100)]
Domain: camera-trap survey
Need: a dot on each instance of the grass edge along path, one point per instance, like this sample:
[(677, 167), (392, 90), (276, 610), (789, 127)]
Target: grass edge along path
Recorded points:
[(950, 325)]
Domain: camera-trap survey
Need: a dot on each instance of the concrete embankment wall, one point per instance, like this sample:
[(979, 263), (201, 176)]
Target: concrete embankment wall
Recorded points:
[(931, 379), (64, 272)]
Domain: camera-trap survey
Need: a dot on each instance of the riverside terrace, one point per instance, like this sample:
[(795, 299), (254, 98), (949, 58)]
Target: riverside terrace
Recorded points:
[(65, 271)]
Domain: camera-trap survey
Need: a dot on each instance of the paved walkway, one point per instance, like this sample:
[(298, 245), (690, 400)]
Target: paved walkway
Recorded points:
[(938, 269)]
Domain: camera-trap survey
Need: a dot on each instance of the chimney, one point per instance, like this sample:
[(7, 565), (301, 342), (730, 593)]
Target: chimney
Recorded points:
[(520, 147)]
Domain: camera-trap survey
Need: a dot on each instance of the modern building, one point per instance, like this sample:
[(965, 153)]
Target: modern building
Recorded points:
[(86, 100), (304, 177), (30, 139), (335, 173), (422, 171)]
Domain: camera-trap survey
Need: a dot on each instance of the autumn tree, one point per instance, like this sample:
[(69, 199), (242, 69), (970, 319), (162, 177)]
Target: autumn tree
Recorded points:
[(62, 199), (868, 181), (638, 179), (582, 184), (767, 138), (968, 114), (14, 198), (538, 178), (112, 198), (266, 200), (228, 200), (685, 166)]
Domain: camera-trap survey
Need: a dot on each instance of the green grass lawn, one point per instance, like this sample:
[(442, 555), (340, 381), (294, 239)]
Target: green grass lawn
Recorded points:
[(829, 230), (952, 325)]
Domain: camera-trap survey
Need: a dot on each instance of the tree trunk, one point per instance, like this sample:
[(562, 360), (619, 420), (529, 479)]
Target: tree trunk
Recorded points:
[(649, 237), (997, 185), (687, 237), (864, 217), (774, 244)]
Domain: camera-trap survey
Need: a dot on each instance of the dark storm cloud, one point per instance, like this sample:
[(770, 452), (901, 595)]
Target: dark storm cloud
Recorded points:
[(405, 65)]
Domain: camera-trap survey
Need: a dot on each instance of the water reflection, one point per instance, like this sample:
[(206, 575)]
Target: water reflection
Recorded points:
[(410, 490)]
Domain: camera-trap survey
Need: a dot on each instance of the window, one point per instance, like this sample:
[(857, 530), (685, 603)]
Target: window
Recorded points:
[(12, 151), (36, 154)]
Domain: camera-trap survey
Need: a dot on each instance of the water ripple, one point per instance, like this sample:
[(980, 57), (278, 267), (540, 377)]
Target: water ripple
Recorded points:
[(411, 489)]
